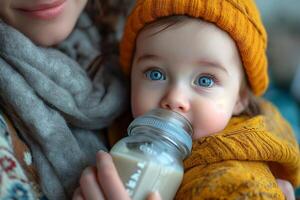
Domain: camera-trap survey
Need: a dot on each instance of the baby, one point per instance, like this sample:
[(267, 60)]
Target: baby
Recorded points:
[(204, 59), (207, 61)]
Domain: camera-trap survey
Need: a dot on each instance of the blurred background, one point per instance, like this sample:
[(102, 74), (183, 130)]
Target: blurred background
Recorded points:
[(282, 21)]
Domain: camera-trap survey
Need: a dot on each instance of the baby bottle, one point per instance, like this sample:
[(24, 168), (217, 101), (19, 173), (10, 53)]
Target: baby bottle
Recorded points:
[(150, 157)]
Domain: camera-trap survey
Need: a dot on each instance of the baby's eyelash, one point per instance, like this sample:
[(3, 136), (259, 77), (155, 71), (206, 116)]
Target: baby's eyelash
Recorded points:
[(152, 69), (212, 76)]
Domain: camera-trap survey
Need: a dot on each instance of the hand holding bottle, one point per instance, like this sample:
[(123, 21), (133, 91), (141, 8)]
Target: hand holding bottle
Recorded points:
[(151, 157), (103, 182)]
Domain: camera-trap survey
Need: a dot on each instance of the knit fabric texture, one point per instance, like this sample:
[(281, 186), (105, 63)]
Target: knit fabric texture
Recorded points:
[(242, 161), (239, 18)]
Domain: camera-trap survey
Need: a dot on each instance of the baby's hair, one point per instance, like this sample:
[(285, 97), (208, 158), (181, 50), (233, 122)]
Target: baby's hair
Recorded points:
[(167, 22), (252, 108)]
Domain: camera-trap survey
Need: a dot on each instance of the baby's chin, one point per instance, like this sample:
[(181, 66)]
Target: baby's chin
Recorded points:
[(200, 134), (207, 131)]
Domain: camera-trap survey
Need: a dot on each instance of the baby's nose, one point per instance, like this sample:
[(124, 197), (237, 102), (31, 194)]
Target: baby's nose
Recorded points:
[(176, 100)]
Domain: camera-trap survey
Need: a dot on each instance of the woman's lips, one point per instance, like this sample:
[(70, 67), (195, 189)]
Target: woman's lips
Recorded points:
[(45, 11)]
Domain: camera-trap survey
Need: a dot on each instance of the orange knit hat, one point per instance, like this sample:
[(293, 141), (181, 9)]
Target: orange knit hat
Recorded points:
[(239, 18)]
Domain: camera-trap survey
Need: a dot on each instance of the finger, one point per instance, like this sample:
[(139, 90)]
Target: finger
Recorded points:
[(89, 185), (287, 189), (154, 196), (109, 179), (77, 195)]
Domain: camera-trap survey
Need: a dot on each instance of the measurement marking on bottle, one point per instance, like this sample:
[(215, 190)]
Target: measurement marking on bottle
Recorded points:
[(134, 178), (148, 149)]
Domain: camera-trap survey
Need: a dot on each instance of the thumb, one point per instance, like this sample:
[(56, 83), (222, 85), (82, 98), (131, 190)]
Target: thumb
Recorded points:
[(154, 196)]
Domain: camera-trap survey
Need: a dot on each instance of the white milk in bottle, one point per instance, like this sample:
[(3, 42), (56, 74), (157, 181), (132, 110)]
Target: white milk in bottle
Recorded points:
[(150, 158)]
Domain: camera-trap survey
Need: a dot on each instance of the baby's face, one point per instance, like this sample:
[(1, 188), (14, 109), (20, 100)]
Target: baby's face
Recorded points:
[(192, 68), (46, 22)]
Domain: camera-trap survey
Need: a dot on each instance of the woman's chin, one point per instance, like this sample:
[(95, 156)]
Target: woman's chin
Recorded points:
[(47, 42), (50, 37)]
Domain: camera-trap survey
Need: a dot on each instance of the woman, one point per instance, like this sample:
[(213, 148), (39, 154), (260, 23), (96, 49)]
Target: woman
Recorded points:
[(53, 103)]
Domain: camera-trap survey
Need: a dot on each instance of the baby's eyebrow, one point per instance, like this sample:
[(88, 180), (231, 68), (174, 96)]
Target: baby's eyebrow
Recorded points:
[(148, 57), (212, 64)]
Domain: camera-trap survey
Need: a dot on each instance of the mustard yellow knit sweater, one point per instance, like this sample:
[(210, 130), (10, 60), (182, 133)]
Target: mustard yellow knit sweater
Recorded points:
[(241, 161)]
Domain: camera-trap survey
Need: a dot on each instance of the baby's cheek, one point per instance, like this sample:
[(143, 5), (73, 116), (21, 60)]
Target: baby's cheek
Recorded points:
[(217, 122), (142, 104), (211, 121)]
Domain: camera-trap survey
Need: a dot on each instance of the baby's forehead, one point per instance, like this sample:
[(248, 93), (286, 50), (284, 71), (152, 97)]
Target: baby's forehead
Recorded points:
[(187, 40), (190, 32), (173, 23), (167, 23)]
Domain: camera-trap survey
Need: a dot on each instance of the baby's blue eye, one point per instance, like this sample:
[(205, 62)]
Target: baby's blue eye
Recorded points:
[(155, 75), (205, 81)]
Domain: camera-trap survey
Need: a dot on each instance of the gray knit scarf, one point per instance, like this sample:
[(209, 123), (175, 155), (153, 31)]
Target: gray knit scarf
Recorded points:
[(56, 107)]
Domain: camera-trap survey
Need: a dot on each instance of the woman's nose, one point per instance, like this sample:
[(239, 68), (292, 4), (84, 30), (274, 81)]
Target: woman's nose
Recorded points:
[(176, 99)]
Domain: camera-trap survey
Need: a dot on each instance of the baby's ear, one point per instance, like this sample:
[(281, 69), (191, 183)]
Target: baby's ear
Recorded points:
[(242, 101)]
